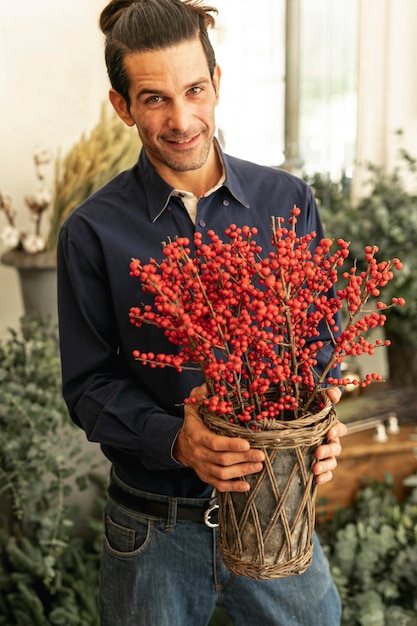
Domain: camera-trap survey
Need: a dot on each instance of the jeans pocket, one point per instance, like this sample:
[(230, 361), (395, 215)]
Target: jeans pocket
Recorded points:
[(126, 539)]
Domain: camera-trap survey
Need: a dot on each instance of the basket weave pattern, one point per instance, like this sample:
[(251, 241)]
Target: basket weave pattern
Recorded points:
[(268, 532)]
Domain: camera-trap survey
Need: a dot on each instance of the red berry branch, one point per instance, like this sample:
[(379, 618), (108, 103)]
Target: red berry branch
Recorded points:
[(253, 324)]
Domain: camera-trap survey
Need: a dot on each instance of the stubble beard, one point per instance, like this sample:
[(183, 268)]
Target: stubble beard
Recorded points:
[(185, 161)]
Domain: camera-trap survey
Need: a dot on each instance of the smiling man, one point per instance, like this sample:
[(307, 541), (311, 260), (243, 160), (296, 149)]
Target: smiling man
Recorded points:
[(172, 105), (160, 562)]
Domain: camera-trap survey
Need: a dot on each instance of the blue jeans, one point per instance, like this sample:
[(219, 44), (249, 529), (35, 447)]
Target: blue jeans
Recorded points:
[(154, 574)]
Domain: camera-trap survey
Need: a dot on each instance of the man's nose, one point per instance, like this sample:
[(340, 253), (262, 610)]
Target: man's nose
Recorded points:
[(179, 116)]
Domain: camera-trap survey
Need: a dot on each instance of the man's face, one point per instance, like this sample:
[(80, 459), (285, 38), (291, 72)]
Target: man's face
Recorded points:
[(173, 99)]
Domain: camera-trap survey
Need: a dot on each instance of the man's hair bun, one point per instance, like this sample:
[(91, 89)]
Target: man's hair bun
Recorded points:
[(112, 12)]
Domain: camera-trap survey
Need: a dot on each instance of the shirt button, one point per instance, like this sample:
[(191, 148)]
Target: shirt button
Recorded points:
[(226, 202), (202, 223), (169, 208)]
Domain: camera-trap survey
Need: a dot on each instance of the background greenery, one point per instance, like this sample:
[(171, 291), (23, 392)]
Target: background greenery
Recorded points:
[(48, 560), (387, 217), (372, 550)]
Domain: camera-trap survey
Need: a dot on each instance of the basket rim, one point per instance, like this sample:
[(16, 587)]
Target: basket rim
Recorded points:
[(306, 430)]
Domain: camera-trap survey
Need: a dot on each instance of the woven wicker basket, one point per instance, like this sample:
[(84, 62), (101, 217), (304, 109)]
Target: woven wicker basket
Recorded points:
[(268, 532)]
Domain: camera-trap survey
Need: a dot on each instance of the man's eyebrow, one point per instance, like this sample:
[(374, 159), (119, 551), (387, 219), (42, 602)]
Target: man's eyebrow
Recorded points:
[(203, 80), (148, 91), (160, 92)]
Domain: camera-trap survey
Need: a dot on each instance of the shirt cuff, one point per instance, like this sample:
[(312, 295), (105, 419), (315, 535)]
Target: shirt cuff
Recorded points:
[(172, 451)]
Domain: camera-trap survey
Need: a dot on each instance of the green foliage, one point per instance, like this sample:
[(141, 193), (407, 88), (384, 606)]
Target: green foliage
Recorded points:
[(372, 550), (48, 572), (387, 217)]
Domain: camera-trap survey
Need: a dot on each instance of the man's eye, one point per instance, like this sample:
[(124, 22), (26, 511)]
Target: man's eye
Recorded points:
[(195, 90), (154, 100)]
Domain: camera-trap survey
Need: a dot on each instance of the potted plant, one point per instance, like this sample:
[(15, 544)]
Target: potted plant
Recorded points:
[(94, 159), (249, 320)]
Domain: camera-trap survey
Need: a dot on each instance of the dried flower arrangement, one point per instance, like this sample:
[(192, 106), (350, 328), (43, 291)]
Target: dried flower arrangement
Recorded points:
[(37, 202), (93, 160), (252, 325)]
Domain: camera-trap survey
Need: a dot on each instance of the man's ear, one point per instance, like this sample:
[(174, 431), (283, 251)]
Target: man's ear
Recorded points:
[(121, 108), (216, 81)]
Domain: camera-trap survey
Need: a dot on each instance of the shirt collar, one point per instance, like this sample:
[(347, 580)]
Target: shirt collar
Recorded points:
[(158, 192)]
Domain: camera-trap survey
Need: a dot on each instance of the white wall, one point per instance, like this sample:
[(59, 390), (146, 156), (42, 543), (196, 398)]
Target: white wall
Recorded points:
[(52, 84)]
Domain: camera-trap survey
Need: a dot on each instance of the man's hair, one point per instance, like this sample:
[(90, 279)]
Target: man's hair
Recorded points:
[(143, 25)]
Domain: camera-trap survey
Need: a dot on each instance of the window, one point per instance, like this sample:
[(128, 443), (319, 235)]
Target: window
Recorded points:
[(328, 92), (251, 50)]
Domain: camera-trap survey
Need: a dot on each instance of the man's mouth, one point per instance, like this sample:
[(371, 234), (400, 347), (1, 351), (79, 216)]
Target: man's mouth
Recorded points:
[(185, 141)]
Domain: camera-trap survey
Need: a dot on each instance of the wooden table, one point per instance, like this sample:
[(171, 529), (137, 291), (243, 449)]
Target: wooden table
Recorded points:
[(363, 457)]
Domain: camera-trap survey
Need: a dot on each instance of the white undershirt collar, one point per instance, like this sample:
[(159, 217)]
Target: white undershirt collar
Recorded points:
[(190, 201)]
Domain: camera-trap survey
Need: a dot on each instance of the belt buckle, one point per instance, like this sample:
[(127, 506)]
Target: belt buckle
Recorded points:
[(213, 506)]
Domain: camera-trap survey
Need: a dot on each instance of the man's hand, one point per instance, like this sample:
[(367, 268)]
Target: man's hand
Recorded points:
[(326, 454), (218, 460)]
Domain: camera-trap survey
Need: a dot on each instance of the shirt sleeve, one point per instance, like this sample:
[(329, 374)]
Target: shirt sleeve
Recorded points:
[(101, 394)]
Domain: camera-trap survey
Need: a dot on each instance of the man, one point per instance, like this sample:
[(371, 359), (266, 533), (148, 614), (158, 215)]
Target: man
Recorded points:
[(160, 561)]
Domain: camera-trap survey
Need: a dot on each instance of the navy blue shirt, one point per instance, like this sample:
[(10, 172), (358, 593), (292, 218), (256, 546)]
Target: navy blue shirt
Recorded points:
[(135, 412)]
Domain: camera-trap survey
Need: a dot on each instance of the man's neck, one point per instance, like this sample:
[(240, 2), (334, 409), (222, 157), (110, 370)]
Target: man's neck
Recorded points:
[(199, 181)]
